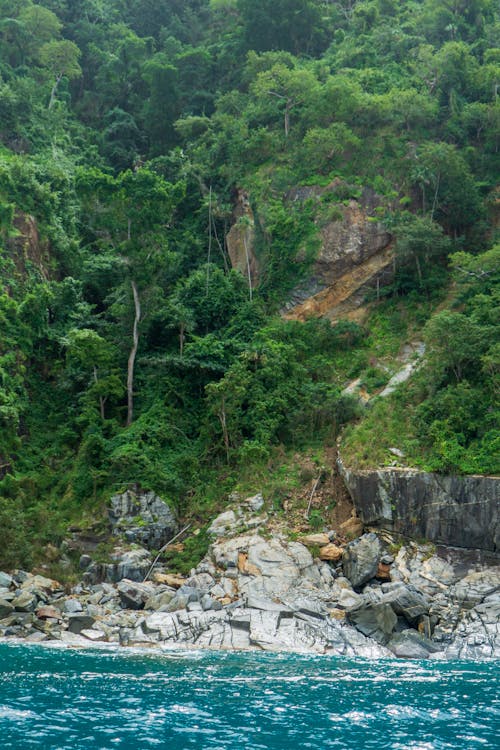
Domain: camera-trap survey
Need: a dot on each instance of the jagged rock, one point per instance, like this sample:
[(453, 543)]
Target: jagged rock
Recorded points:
[(25, 601), (34, 583), (158, 601), (255, 503), (132, 564), (374, 619), (407, 601), (5, 609), (84, 562), (173, 581), (134, 595), (360, 559), (71, 606), (78, 622), (143, 518), (409, 644), (475, 587), (352, 528), (331, 552), (46, 613), (224, 523), (315, 540), (93, 635), (6, 581)]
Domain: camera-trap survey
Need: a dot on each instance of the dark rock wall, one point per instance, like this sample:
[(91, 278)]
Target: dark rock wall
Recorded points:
[(461, 511)]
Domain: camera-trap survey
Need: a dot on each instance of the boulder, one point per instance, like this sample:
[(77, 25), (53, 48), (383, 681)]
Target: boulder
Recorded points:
[(375, 619), (407, 601), (26, 601), (134, 595), (5, 609), (142, 518), (331, 552), (6, 581), (315, 540), (409, 644), (48, 613), (93, 635), (360, 559), (158, 601), (132, 564), (79, 622), (71, 606), (224, 523)]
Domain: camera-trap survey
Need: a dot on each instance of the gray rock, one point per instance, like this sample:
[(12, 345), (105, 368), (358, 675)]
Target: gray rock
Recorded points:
[(6, 609), (361, 558), (78, 622), (462, 511), (93, 635), (408, 602), (375, 619), (255, 503), (6, 581), (143, 518), (134, 595), (132, 564), (26, 601), (158, 601), (71, 606), (84, 562), (223, 524), (410, 644)]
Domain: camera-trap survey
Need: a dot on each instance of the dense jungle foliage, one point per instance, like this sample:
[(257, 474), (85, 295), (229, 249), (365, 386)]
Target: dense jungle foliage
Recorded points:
[(130, 352)]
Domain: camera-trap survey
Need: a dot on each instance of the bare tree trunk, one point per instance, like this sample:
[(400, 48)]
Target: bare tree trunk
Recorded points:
[(133, 352), (225, 434), (102, 400), (249, 274), (54, 91)]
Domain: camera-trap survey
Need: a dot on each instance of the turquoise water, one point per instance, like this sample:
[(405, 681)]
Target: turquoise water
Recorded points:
[(66, 699)]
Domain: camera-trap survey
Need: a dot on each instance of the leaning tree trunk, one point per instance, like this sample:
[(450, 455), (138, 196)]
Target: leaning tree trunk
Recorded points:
[(133, 352)]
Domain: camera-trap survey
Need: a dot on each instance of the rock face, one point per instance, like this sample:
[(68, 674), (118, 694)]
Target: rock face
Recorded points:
[(355, 253), (269, 593), (453, 510), (360, 559), (142, 518), (240, 240), (132, 564), (354, 250)]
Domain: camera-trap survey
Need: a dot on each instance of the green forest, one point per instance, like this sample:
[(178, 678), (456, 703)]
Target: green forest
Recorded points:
[(131, 351)]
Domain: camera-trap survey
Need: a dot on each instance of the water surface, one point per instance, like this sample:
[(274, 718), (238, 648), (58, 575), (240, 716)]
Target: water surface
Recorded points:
[(68, 699)]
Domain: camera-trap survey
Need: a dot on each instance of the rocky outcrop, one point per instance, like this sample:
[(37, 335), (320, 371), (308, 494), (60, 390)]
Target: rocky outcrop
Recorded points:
[(142, 518), (26, 247), (255, 591), (461, 511), (355, 255), (240, 240), (355, 252)]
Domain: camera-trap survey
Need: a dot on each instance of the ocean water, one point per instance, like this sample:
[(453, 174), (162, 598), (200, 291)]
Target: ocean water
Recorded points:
[(67, 699)]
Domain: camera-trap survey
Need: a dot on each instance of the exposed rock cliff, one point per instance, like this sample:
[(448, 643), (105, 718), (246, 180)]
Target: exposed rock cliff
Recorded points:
[(462, 511), (255, 591), (240, 240), (355, 251)]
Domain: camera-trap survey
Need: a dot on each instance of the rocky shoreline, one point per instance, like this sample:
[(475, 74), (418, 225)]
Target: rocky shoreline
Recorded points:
[(255, 591)]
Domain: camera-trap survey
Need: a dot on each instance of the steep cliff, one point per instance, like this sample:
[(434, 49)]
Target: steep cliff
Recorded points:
[(461, 511)]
